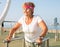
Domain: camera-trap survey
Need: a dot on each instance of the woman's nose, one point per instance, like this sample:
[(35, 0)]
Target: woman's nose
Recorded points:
[(28, 10)]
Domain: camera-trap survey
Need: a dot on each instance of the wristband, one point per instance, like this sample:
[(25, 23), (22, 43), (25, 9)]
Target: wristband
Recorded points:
[(41, 37)]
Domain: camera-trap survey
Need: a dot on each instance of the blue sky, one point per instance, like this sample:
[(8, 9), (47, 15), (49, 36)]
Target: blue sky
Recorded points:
[(47, 9)]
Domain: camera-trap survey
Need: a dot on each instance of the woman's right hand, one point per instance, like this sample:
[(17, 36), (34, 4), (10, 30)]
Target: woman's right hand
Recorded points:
[(8, 39)]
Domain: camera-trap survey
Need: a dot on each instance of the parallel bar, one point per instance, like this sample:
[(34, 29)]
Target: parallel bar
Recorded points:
[(43, 42), (13, 39), (45, 39)]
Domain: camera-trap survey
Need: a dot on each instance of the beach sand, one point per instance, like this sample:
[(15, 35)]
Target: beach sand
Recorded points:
[(53, 31)]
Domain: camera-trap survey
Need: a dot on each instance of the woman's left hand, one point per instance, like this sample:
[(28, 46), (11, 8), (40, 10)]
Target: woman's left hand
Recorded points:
[(39, 41)]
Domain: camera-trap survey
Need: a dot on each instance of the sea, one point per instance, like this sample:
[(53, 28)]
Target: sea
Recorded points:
[(11, 24)]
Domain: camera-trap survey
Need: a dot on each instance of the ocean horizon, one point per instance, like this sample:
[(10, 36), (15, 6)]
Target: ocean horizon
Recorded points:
[(50, 27)]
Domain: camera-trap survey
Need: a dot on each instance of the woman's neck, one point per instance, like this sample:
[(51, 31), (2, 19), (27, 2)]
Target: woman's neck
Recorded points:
[(29, 17), (28, 20)]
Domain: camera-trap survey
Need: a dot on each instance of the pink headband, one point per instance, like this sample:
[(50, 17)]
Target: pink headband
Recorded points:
[(29, 7)]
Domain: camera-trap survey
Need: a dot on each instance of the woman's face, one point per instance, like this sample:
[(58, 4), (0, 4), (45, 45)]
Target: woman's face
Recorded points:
[(28, 11)]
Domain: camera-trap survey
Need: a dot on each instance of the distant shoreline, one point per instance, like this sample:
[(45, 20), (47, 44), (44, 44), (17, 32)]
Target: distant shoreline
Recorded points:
[(49, 30), (53, 31)]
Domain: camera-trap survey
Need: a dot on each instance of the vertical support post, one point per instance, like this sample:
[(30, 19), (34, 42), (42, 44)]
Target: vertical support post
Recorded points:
[(56, 35), (43, 44), (38, 45), (48, 43), (24, 42), (7, 44), (0, 29)]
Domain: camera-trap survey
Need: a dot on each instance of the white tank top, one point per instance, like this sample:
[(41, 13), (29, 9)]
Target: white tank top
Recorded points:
[(31, 31)]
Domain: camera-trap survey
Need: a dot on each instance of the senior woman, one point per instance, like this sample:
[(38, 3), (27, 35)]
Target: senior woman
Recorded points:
[(33, 26)]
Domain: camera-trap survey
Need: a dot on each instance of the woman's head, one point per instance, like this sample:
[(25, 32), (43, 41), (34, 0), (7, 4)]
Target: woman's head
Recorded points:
[(28, 8), (27, 4)]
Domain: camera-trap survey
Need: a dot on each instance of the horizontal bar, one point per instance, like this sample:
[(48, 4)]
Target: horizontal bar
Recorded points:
[(45, 39), (13, 39), (19, 38)]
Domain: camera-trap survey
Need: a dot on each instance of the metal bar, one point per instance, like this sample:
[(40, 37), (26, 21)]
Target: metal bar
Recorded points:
[(7, 44), (24, 42), (47, 42), (45, 39), (13, 39), (43, 42)]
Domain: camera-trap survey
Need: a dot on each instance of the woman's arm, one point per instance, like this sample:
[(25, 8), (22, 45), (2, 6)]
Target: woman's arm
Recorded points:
[(44, 28), (17, 25), (43, 33)]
